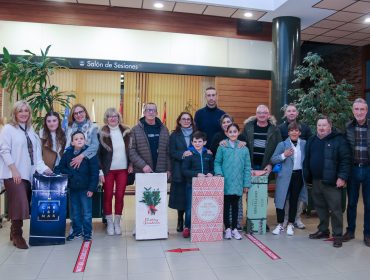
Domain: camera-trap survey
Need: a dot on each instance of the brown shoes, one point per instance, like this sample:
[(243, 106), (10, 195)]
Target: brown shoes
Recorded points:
[(367, 241), (16, 234), (319, 235), (337, 243), (348, 236)]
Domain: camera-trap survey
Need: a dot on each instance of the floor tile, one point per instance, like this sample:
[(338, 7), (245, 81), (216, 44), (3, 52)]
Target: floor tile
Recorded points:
[(147, 265), (236, 273), (194, 274)]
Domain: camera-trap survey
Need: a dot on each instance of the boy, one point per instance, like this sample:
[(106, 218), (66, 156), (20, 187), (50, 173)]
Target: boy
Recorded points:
[(199, 164), (82, 183)]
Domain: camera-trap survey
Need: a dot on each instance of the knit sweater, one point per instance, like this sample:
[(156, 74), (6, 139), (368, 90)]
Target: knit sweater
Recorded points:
[(119, 158)]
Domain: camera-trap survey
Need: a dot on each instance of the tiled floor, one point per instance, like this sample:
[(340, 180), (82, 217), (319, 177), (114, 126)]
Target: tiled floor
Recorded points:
[(122, 257)]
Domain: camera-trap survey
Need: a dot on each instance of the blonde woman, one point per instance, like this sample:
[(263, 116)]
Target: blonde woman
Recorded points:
[(114, 138), (20, 158)]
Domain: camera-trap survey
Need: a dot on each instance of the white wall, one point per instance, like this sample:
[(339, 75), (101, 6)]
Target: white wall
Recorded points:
[(135, 45)]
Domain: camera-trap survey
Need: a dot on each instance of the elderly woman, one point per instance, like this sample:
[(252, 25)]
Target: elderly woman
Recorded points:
[(180, 140), (79, 119), (114, 138), (289, 182), (53, 139), (20, 158)]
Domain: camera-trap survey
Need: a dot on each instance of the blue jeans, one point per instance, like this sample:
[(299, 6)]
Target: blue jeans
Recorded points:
[(359, 175), (188, 194), (81, 206)]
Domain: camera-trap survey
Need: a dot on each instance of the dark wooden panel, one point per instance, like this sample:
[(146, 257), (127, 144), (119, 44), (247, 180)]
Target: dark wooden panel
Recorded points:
[(117, 17)]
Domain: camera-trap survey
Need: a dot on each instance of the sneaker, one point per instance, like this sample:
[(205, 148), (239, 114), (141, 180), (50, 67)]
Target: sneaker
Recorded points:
[(290, 229), (279, 228), (298, 224), (73, 236), (235, 233), (227, 234), (186, 233), (87, 238)]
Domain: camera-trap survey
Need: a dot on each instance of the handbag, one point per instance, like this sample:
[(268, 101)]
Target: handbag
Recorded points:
[(131, 178), (277, 167)]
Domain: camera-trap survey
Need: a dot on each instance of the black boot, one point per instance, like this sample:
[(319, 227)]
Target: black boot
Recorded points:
[(180, 221)]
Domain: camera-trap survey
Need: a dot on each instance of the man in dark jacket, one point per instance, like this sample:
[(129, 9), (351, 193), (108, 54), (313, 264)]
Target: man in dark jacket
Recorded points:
[(208, 118), (149, 147), (327, 166), (358, 136)]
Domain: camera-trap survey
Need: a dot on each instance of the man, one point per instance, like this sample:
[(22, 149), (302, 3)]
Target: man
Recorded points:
[(262, 137), (208, 118), (291, 115), (149, 147), (358, 136), (327, 166)]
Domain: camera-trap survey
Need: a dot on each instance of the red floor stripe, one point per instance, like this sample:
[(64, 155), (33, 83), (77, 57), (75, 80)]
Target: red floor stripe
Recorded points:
[(82, 257), (263, 247)]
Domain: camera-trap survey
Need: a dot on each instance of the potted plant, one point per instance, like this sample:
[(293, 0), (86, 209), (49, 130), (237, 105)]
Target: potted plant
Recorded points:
[(28, 77)]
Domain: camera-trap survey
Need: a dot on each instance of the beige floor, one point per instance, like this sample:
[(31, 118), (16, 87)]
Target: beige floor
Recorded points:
[(121, 257)]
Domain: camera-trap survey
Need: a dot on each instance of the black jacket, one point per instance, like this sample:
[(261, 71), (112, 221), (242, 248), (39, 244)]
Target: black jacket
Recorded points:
[(194, 164), (336, 159), (305, 130), (177, 148), (86, 177)]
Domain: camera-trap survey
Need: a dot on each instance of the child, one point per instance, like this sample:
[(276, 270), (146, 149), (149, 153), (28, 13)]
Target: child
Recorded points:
[(82, 183), (234, 165), (199, 164)]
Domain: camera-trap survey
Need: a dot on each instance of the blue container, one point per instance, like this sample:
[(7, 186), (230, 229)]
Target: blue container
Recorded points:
[(48, 210)]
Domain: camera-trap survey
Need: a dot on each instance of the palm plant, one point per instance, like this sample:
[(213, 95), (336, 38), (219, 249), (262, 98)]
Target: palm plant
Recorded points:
[(29, 78)]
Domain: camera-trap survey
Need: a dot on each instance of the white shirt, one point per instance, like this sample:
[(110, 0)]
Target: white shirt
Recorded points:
[(119, 158), (297, 156)]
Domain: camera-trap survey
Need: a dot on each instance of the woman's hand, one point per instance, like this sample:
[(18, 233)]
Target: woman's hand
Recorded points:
[(288, 152), (130, 169), (186, 154), (209, 175), (242, 144), (201, 175), (223, 143), (102, 179), (15, 174), (76, 161), (245, 190), (48, 171), (89, 194)]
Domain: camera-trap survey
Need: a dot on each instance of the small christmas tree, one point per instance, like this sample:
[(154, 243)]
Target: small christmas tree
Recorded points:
[(319, 94), (151, 198)]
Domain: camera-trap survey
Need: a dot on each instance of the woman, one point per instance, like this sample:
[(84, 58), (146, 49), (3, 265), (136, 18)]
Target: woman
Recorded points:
[(20, 158), (289, 182), (113, 155), (53, 139), (219, 139), (79, 119), (180, 140)]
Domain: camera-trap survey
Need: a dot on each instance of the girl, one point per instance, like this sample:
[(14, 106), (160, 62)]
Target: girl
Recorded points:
[(233, 163)]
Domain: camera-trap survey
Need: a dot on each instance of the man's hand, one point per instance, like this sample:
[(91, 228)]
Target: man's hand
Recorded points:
[(245, 190), (201, 175), (242, 144), (340, 183), (76, 161), (186, 154), (147, 169), (209, 175), (89, 194), (268, 168)]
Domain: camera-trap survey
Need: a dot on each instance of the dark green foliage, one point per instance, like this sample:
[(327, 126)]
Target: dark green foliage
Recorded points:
[(151, 198), (319, 94)]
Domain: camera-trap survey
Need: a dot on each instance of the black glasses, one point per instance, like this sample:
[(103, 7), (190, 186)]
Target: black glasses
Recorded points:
[(79, 113), (151, 110)]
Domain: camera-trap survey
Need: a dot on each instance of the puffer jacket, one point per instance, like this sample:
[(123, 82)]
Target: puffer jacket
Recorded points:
[(273, 138), (336, 157), (197, 163)]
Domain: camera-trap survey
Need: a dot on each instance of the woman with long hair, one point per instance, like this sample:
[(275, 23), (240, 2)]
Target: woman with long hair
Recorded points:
[(20, 158), (180, 140), (53, 139)]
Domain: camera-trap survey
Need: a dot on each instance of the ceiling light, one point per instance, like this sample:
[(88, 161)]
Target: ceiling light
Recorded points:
[(158, 5), (367, 20), (248, 14)]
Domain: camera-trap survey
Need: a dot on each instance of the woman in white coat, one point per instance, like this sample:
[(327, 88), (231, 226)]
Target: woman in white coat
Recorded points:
[(289, 182), (20, 158)]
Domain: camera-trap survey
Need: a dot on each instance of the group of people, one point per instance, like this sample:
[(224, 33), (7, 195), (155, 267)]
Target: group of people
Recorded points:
[(211, 144)]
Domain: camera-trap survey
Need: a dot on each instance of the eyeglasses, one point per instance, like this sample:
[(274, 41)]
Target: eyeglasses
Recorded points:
[(151, 110), (79, 113), (113, 117), (186, 119)]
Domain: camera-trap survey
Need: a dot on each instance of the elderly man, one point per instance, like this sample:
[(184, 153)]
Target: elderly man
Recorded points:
[(358, 136), (262, 137), (327, 166), (291, 115), (208, 118), (149, 147)]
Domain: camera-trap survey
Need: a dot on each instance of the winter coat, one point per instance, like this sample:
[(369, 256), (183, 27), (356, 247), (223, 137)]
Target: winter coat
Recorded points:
[(86, 177), (234, 165), (350, 135), (197, 163), (220, 136), (273, 139), (305, 130), (336, 157), (139, 149), (105, 152), (177, 148), (284, 176)]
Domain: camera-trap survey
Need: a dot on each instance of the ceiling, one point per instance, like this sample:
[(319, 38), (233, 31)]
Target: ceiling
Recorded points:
[(326, 21)]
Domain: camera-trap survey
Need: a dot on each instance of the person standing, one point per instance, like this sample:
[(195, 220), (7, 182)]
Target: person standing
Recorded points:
[(53, 139), (327, 167), (180, 140), (20, 158), (149, 145), (291, 115), (358, 136), (208, 118), (114, 139)]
